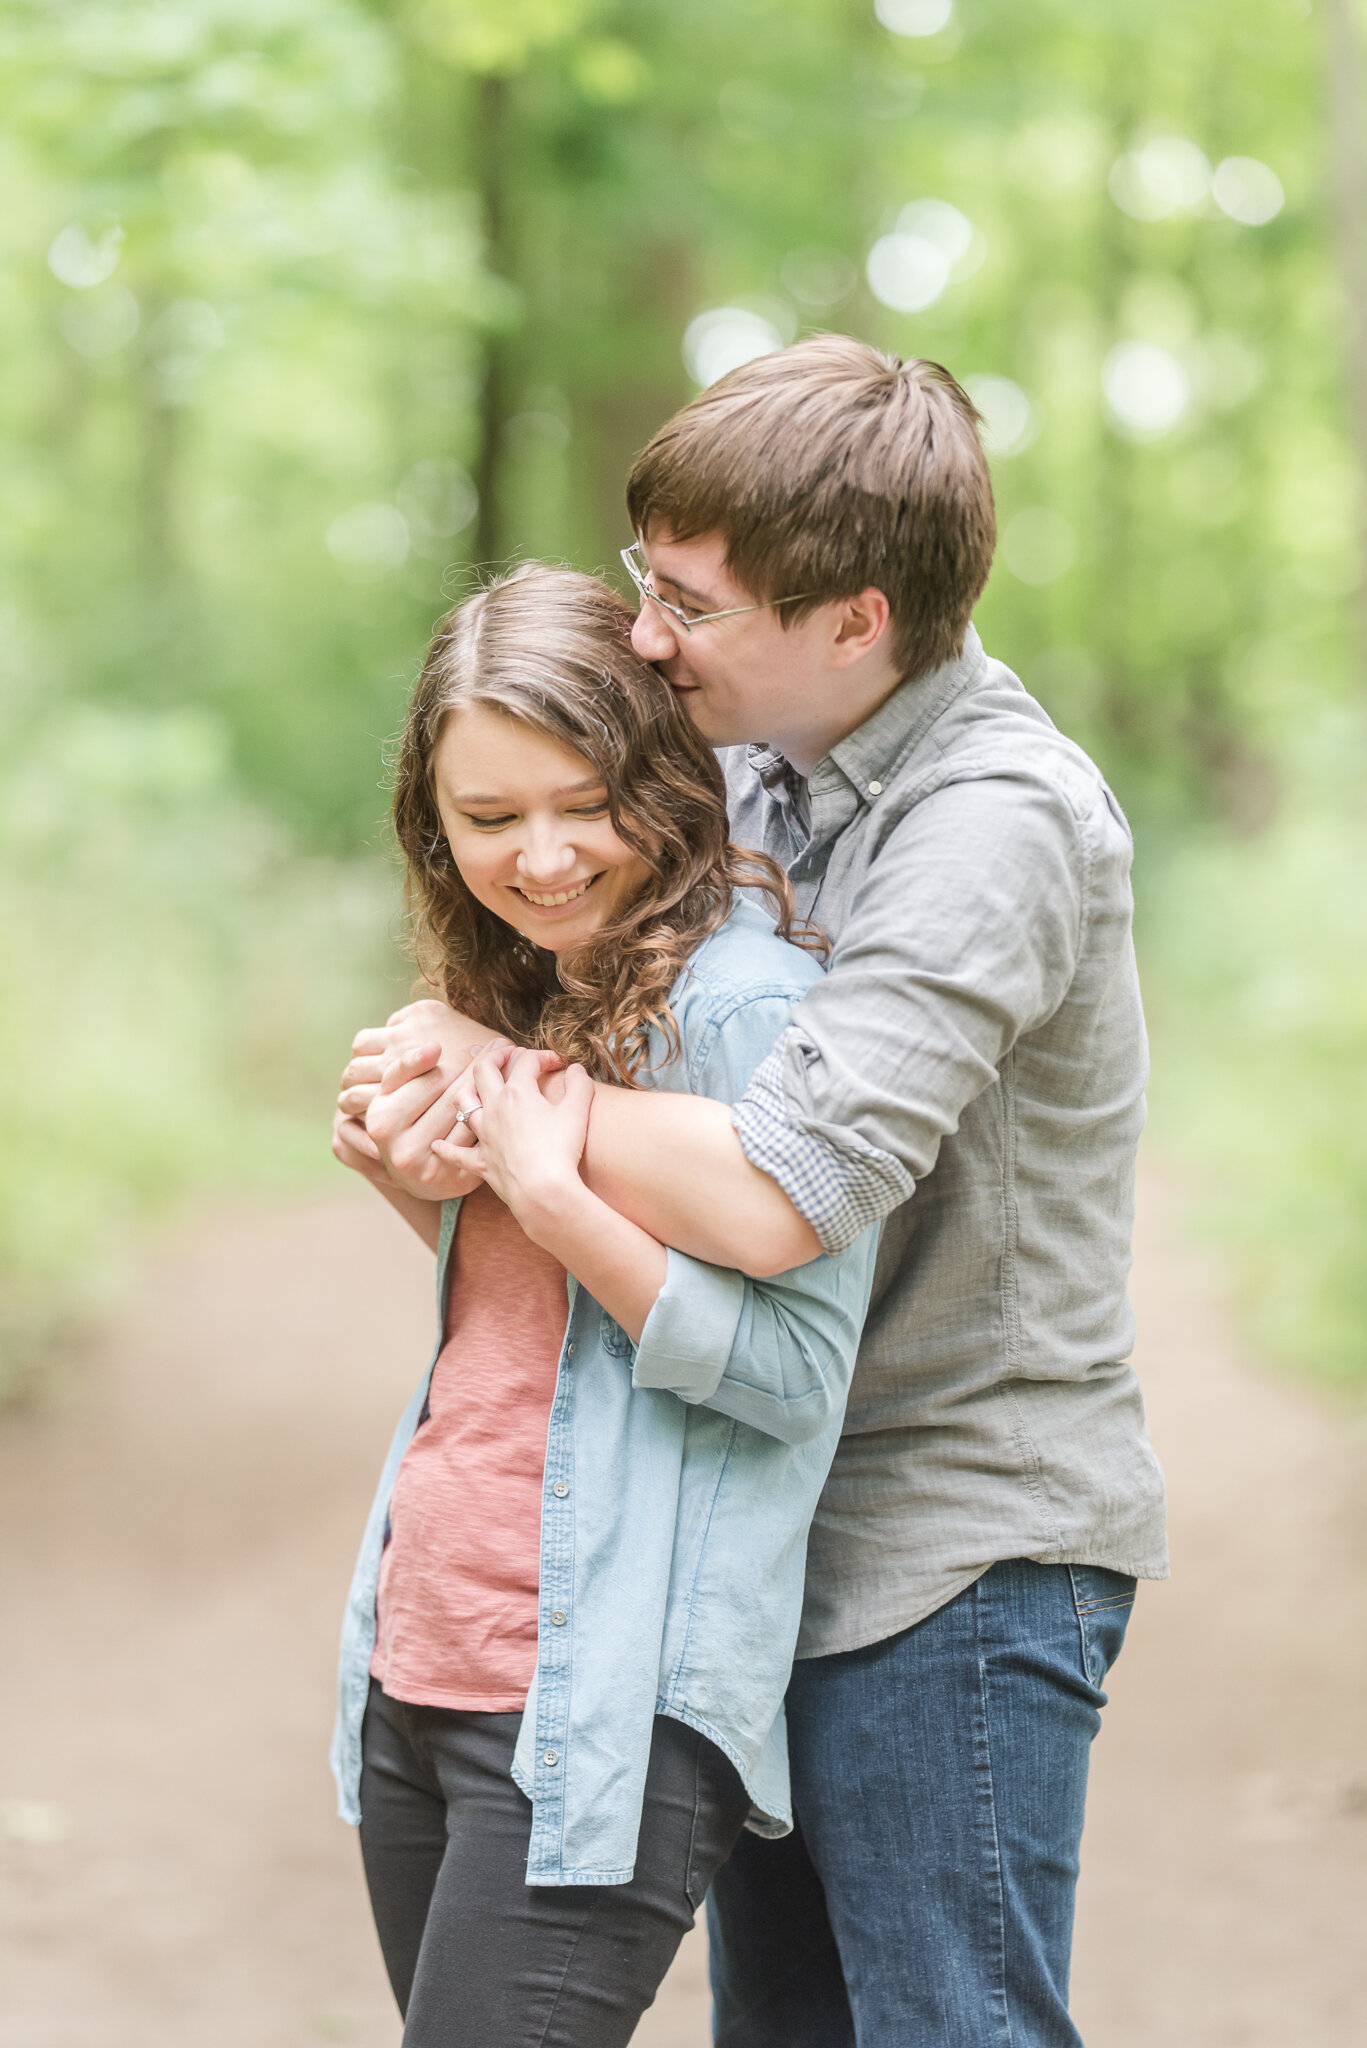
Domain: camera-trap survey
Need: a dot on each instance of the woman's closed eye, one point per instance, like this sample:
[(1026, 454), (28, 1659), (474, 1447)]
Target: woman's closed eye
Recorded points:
[(493, 821)]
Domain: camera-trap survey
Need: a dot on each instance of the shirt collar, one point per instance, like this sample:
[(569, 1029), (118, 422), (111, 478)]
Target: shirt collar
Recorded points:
[(874, 750)]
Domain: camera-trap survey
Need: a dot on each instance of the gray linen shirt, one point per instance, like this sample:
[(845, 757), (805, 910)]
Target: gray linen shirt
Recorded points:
[(972, 1071)]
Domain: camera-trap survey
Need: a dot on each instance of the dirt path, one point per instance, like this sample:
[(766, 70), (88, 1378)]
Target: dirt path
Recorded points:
[(176, 1539)]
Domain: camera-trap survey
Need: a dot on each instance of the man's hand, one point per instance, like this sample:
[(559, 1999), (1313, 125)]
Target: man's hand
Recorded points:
[(408, 1108), (670, 1163), (353, 1145), (426, 1023)]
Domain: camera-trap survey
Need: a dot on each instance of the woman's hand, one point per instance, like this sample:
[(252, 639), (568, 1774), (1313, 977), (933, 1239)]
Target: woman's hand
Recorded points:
[(529, 1140), (530, 1116)]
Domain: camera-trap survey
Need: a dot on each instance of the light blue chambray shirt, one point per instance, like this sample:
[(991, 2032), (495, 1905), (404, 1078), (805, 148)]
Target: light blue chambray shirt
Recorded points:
[(681, 1478)]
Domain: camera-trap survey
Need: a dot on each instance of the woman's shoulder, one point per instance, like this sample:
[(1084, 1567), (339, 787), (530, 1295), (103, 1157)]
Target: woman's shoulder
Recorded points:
[(745, 958), (732, 1002)]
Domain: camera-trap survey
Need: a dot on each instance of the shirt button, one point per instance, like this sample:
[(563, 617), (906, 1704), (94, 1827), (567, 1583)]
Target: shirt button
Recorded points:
[(560, 1489), (875, 789), (569, 1351), (551, 1758), (557, 1619)]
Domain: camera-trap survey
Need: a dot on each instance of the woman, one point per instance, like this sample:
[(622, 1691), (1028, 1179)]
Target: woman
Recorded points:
[(573, 1617)]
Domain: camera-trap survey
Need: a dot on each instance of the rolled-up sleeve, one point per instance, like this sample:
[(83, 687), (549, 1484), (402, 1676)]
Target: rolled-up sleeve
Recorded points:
[(691, 1329), (776, 1354), (964, 934)]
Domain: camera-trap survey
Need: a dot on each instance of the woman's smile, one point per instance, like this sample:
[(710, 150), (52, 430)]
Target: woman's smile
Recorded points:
[(556, 899), (530, 828)]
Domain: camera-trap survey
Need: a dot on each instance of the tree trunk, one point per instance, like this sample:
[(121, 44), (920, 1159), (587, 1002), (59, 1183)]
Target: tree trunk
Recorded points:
[(496, 398), (1346, 98)]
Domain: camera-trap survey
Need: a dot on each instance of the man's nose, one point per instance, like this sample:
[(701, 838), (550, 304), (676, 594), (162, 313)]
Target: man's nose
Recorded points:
[(653, 635)]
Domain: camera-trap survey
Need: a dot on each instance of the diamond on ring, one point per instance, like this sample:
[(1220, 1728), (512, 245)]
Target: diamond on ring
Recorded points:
[(462, 1116)]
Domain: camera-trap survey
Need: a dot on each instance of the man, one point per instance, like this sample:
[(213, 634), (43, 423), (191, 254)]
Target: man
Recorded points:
[(812, 535)]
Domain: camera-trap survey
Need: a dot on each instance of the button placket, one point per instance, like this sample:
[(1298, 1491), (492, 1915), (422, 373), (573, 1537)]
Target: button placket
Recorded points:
[(557, 1566)]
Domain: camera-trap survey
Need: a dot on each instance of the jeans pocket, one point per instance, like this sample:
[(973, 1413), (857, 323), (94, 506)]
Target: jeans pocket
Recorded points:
[(1103, 1600)]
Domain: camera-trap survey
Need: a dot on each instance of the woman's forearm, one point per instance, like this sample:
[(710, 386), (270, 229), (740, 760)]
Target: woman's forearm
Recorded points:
[(621, 1265), (674, 1165)]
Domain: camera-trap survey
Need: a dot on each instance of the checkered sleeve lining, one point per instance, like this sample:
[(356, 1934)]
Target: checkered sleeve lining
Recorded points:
[(840, 1189)]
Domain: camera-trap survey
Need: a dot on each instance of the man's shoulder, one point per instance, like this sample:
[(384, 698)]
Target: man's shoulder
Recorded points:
[(995, 731)]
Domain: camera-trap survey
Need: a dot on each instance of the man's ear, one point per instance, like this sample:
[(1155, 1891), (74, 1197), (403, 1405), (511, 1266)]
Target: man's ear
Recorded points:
[(862, 624)]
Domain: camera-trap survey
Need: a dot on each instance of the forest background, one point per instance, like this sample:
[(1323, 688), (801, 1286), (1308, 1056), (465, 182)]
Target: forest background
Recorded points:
[(313, 306)]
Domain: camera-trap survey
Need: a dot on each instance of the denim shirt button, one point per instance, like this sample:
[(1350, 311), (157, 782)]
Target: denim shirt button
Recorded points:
[(569, 1351), (557, 1619), (551, 1758), (560, 1489)]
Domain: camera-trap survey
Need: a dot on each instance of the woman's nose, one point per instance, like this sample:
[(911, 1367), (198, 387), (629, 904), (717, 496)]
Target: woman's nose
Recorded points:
[(545, 856), (652, 634)]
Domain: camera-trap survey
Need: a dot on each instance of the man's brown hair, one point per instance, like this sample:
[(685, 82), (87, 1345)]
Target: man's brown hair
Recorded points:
[(827, 467)]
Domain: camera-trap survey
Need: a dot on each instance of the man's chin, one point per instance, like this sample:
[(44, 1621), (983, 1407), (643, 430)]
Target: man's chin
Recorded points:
[(713, 729)]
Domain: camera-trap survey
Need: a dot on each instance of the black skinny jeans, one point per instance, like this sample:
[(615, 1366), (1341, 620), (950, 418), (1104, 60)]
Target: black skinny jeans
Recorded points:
[(478, 1958)]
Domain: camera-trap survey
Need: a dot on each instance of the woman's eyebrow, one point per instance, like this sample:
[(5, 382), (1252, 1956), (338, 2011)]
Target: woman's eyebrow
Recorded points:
[(468, 799)]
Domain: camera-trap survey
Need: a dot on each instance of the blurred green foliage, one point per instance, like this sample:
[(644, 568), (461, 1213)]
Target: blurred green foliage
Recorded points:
[(313, 305)]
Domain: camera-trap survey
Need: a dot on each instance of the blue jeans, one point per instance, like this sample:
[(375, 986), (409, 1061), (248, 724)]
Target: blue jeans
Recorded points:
[(926, 1898)]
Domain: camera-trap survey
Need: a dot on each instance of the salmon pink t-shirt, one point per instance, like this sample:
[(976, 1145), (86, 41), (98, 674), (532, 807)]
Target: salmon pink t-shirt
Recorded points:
[(460, 1576)]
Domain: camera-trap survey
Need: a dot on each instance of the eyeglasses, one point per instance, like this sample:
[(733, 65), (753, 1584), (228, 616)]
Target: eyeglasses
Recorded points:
[(634, 562)]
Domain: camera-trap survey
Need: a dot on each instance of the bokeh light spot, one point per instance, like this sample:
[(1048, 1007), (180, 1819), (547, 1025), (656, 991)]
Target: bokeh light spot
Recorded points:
[(1009, 423), (723, 339), (906, 272), (76, 260), (1166, 175), (1247, 190), (914, 17), (937, 221), (1147, 388), (932, 243)]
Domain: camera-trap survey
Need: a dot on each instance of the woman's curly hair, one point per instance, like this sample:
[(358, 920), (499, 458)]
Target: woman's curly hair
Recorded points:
[(551, 649)]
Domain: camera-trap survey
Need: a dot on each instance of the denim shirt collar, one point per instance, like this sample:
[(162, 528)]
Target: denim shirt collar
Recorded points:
[(857, 768)]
